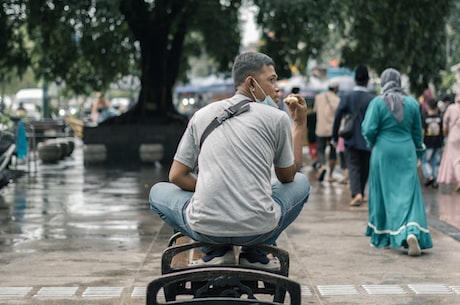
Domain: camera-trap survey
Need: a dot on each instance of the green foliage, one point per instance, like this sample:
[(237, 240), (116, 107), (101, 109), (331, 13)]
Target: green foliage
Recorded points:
[(13, 53), (407, 35), (294, 30), (453, 36), (213, 31), (218, 25), (87, 45), (84, 44)]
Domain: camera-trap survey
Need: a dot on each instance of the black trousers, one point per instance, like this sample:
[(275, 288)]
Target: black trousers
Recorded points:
[(321, 143), (358, 169)]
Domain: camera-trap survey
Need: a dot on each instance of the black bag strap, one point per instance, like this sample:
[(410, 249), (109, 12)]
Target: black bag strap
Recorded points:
[(231, 111)]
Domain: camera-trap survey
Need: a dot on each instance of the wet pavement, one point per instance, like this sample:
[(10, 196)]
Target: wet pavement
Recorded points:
[(72, 234)]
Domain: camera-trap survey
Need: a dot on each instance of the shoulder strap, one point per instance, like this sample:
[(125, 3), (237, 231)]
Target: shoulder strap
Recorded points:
[(231, 111), (328, 102)]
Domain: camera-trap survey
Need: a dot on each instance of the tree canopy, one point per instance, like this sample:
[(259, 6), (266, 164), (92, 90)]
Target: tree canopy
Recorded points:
[(407, 35), (294, 31), (89, 44)]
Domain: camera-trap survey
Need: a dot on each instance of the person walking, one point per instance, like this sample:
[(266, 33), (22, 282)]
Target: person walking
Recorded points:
[(433, 140), (326, 104), (221, 191), (311, 135), (357, 152), (102, 110), (449, 170), (392, 127), (343, 160)]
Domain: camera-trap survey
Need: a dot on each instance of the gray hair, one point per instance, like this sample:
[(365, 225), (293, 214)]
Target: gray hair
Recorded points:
[(247, 64)]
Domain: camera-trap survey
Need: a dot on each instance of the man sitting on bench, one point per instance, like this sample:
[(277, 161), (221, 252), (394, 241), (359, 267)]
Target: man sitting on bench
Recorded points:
[(233, 199)]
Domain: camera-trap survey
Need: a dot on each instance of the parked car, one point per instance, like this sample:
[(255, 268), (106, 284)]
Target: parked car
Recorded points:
[(31, 100)]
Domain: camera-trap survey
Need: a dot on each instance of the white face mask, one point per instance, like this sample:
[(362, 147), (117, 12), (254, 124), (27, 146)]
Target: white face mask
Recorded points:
[(267, 100)]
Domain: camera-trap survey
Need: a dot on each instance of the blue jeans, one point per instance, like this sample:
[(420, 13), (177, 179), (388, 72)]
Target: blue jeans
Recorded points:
[(170, 203), (430, 162)]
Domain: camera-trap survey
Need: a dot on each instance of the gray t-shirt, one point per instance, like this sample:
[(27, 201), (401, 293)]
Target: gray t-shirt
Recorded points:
[(233, 190)]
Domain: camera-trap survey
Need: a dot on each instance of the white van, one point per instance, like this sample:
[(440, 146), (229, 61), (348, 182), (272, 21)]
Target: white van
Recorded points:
[(32, 101)]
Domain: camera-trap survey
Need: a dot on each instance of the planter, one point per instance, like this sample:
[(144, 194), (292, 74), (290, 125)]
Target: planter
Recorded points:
[(131, 144), (49, 152)]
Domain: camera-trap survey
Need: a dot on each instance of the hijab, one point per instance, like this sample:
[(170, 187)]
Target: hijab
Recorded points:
[(392, 93)]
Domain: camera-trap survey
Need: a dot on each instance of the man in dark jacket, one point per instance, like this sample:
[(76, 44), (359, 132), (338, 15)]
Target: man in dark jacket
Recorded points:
[(357, 153)]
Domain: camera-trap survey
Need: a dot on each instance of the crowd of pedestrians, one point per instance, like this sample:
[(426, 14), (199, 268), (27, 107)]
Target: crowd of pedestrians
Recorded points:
[(234, 200), (395, 140)]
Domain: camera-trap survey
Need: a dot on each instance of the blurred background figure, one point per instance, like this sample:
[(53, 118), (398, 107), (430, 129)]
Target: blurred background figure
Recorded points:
[(102, 110), (449, 170), (427, 95), (433, 139), (21, 112), (357, 153), (326, 104), (343, 160)]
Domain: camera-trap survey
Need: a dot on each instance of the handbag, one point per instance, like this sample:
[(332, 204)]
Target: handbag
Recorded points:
[(347, 127)]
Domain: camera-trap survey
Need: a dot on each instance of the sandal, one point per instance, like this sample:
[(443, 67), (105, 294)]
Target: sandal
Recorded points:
[(321, 175), (356, 201)]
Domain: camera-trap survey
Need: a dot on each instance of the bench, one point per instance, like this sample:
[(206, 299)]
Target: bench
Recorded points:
[(49, 129)]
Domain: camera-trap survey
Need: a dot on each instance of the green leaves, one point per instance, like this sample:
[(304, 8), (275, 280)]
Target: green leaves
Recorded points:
[(294, 31), (13, 54), (407, 35), (89, 44), (84, 44)]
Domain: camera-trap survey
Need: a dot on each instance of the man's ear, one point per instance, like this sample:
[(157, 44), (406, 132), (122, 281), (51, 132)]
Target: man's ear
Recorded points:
[(249, 83)]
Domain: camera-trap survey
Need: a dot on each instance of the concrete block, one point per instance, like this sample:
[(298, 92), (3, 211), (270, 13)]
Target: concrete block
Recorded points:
[(94, 153), (151, 153)]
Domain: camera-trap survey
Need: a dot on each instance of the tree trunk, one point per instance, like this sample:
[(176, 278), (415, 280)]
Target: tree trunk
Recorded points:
[(161, 38), (154, 119)]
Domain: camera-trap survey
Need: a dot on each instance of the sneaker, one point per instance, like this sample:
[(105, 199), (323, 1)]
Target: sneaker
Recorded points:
[(257, 259), (414, 248), (216, 257)]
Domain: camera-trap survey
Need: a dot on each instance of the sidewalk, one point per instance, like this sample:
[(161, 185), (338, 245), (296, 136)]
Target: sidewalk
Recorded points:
[(76, 235)]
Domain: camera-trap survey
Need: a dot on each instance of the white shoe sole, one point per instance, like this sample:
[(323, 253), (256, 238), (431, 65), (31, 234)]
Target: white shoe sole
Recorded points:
[(273, 264), (227, 259), (414, 248)]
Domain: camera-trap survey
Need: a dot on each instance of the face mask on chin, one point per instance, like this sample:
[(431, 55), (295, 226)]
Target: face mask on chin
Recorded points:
[(267, 100)]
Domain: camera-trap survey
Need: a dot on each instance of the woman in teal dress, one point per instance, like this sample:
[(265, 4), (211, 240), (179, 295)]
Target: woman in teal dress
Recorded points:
[(392, 128)]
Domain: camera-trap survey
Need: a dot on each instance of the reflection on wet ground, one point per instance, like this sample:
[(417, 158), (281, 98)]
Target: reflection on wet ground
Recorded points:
[(91, 204), (67, 201), (86, 228)]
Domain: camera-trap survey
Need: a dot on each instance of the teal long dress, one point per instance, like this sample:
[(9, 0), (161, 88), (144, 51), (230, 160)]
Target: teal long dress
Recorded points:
[(396, 205)]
